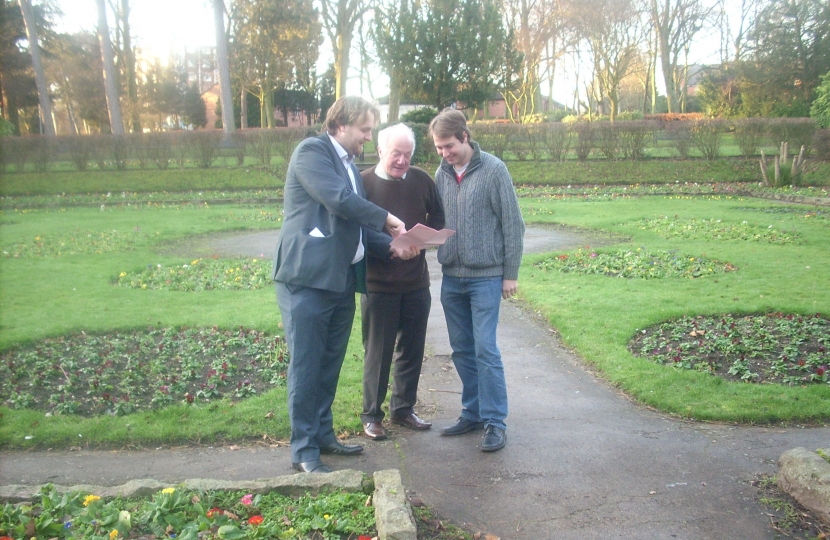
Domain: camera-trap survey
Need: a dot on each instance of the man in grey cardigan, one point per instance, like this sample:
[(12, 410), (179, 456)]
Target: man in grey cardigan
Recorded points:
[(480, 264)]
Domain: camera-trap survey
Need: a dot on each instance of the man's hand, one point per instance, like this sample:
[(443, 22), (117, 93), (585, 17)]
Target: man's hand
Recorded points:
[(509, 287), (405, 254), (395, 226)]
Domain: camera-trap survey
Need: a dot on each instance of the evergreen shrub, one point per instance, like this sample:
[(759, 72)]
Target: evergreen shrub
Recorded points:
[(423, 115)]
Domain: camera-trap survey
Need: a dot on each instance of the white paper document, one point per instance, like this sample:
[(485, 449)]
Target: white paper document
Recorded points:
[(422, 237)]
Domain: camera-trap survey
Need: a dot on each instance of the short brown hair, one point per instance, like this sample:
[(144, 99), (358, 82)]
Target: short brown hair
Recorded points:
[(450, 123), (349, 110)]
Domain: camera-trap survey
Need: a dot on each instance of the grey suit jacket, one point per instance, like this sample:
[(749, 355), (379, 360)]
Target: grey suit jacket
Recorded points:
[(318, 195)]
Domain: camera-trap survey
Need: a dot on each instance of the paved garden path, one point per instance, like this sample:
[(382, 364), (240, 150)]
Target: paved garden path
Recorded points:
[(582, 461)]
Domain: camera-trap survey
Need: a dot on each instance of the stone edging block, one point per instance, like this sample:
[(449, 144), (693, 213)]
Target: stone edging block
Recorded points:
[(392, 513), (806, 477), (393, 516)]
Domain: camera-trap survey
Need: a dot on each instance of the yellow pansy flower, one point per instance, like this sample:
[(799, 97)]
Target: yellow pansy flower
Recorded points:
[(91, 499)]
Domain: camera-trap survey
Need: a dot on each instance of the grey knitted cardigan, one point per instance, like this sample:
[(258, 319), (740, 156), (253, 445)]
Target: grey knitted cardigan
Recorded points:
[(484, 212)]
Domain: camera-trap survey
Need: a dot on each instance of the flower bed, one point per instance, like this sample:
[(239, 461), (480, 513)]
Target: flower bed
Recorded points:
[(77, 243), (715, 229), (202, 275), (125, 372), (189, 515), (778, 348), (639, 263)]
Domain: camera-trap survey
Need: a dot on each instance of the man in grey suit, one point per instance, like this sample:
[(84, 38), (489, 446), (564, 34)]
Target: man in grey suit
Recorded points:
[(319, 264)]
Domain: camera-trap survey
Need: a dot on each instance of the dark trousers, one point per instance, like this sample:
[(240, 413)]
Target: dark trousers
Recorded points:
[(317, 325), (394, 325)]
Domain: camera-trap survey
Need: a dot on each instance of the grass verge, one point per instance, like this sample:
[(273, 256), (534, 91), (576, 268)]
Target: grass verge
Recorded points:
[(65, 290)]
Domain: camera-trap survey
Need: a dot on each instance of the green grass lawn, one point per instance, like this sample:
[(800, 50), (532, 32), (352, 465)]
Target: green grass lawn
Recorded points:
[(135, 180), (63, 180), (62, 283), (599, 315)]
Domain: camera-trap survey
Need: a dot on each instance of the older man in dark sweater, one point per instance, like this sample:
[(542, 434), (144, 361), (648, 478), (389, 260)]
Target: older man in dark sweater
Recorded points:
[(396, 307)]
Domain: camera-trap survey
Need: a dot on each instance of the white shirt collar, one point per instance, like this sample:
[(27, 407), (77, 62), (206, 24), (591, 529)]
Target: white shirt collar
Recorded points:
[(344, 155)]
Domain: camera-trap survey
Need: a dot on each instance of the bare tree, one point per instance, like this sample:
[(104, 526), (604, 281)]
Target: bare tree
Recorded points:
[(540, 33), (733, 44), (340, 18), (614, 33), (113, 106), (225, 96), (40, 76), (676, 23)]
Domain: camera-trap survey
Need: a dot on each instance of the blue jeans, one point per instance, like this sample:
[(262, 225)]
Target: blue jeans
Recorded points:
[(471, 307)]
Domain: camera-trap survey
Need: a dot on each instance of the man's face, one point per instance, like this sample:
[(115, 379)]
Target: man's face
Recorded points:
[(395, 158), (455, 152), (352, 136)]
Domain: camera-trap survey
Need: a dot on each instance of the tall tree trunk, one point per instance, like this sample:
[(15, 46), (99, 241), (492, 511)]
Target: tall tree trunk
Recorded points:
[(341, 63), (225, 95), (113, 106), (129, 67), (653, 77), (243, 109), (40, 77), (394, 98), (70, 108), (263, 114)]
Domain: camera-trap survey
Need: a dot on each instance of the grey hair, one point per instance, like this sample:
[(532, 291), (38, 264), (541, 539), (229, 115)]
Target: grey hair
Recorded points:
[(394, 131)]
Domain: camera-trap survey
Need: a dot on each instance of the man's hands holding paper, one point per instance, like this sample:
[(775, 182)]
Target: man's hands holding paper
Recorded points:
[(421, 237), (403, 253)]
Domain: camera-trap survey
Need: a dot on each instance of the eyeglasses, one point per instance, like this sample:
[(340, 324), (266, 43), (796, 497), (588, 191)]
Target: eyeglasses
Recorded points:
[(398, 155)]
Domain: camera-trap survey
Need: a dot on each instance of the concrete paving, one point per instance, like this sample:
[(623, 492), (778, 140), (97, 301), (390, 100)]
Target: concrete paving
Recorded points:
[(582, 461)]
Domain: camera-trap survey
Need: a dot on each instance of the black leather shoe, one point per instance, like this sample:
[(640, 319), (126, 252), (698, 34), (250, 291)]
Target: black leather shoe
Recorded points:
[(374, 431), (462, 426), (412, 422), (339, 449), (494, 439), (313, 466)]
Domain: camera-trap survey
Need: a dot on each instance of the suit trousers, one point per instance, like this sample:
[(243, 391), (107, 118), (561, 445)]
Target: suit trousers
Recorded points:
[(317, 326), (394, 328)]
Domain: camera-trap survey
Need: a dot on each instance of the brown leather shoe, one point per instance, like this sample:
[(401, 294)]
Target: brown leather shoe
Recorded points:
[(374, 431), (412, 422)]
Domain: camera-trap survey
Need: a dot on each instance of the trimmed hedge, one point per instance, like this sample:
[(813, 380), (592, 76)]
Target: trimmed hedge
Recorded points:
[(656, 136)]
